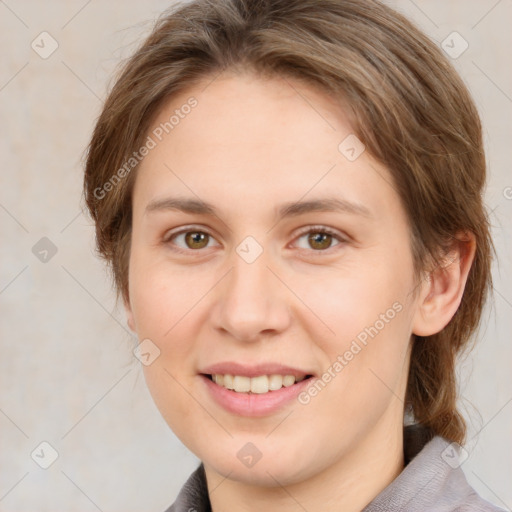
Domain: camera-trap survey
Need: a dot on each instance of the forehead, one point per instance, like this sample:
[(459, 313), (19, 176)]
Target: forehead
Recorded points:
[(248, 137)]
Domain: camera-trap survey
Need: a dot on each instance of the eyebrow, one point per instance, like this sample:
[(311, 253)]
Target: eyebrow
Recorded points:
[(290, 209)]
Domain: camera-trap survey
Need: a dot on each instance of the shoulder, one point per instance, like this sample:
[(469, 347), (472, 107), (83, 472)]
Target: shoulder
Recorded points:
[(193, 496), (432, 481)]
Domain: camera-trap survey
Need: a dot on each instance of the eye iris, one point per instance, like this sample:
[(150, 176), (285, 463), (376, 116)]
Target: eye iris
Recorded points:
[(196, 239), (320, 240)]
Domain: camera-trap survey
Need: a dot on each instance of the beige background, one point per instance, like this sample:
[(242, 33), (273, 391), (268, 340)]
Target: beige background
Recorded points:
[(67, 375)]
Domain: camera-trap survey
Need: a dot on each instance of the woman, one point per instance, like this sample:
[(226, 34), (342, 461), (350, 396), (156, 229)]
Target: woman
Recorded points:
[(290, 196)]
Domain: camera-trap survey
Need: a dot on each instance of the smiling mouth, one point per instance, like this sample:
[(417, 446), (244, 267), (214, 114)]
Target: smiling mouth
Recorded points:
[(260, 384)]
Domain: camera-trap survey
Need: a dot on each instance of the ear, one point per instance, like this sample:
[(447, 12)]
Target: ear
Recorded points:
[(441, 292), (129, 314)]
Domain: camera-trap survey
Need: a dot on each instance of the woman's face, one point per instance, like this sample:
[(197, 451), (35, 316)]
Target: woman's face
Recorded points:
[(267, 243)]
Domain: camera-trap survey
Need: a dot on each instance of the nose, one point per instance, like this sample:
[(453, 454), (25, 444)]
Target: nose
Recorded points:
[(252, 302)]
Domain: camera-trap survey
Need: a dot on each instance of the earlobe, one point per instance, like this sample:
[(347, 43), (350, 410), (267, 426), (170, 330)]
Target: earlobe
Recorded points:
[(442, 290)]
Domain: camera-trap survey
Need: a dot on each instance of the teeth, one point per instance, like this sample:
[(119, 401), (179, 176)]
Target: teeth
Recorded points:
[(259, 385), (241, 384), (275, 382), (228, 381), (288, 380)]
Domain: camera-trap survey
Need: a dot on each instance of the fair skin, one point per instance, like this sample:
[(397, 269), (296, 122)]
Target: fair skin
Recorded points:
[(249, 146)]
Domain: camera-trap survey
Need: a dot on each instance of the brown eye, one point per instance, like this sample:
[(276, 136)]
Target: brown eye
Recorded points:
[(189, 240), (196, 239), (319, 240)]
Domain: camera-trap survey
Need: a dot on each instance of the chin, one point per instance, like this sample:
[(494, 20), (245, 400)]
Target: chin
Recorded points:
[(267, 468)]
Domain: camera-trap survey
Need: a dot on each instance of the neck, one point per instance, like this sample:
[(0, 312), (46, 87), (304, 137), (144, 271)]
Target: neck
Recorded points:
[(349, 484)]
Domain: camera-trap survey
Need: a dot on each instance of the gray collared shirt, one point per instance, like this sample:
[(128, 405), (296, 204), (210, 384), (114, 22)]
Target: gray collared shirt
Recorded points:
[(432, 481)]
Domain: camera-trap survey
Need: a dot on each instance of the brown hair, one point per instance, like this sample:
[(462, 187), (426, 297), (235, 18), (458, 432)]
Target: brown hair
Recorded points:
[(407, 104)]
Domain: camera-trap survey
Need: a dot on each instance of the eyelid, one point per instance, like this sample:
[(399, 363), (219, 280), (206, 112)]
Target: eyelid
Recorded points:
[(340, 237), (322, 229), (186, 229)]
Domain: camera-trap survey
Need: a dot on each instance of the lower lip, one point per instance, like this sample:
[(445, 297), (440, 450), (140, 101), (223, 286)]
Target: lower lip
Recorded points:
[(253, 404)]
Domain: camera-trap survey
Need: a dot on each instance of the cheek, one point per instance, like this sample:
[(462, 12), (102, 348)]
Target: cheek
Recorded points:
[(159, 296), (366, 317), (165, 305), (348, 301)]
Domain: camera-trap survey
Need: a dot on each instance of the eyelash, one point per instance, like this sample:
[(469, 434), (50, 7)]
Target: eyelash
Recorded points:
[(312, 229)]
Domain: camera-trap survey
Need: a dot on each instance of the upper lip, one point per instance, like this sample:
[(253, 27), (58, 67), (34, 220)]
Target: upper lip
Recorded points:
[(252, 370)]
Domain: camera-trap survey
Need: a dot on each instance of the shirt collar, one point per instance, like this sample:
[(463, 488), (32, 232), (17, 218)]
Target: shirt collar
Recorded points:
[(431, 480)]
